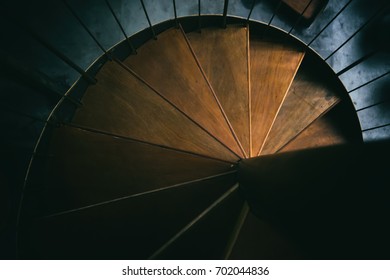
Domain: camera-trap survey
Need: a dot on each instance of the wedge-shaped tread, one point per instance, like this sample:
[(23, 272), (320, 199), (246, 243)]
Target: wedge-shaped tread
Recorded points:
[(207, 237), (310, 96), (259, 239), (88, 168), (323, 132), (170, 67), (273, 68), (223, 55), (123, 105), (133, 109), (127, 229)]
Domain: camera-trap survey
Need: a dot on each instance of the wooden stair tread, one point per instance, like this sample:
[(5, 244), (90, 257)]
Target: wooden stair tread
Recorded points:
[(258, 239), (273, 68), (123, 105), (207, 238), (170, 67), (123, 229), (299, 7), (321, 133), (223, 55), (310, 96), (88, 168)]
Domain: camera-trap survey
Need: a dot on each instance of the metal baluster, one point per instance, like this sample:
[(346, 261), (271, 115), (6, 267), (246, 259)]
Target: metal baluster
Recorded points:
[(33, 77), (373, 105), (86, 28), (17, 112), (175, 11), (369, 82), (133, 50), (225, 9), (199, 17), (148, 19), (250, 12), (329, 23), (377, 13), (376, 127), (360, 60), (55, 51), (274, 13), (272, 18), (300, 17)]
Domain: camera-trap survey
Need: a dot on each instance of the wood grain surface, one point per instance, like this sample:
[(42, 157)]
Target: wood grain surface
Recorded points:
[(122, 104), (310, 96), (299, 6), (273, 68), (323, 132), (170, 67), (223, 55)]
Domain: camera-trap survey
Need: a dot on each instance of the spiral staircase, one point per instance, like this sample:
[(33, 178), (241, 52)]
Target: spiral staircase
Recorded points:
[(165, 153)]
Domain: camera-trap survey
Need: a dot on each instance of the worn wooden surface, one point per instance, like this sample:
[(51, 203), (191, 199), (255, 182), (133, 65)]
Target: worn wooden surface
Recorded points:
[(87, 168), (127, 229), (325, 131), (223, 55), (273, 67), (299, 6), (122, 104), (309, 97), (169, 66)]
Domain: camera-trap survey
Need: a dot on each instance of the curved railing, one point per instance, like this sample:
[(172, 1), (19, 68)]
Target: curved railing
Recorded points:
[(115, 28)]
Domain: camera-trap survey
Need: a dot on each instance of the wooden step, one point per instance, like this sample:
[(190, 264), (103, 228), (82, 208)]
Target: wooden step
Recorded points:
[(170, 67), (223, 55), (207, 237), (273, 68), (312, 93), (123, 105), (88, 168), (328, 130), (260, 240), (307, 8), (127, 229)]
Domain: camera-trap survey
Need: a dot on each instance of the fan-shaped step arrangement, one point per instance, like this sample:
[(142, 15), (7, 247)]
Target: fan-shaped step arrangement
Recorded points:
[(128, 228), (169, 66), (122, 104), (223, 55), (312, 93), (147, 167)]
